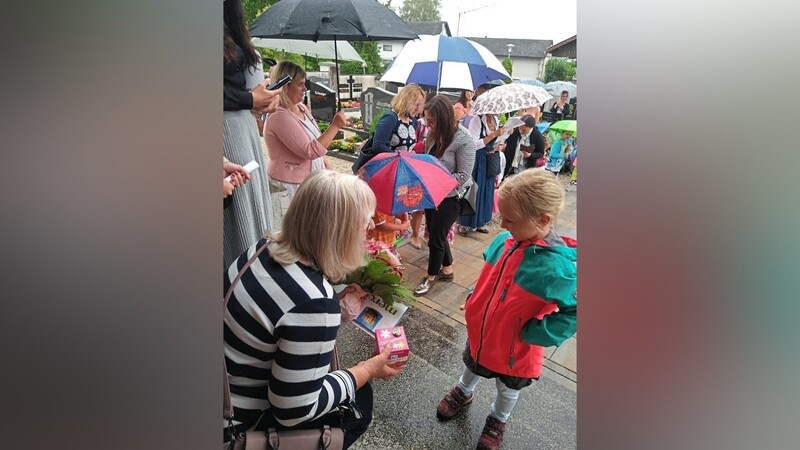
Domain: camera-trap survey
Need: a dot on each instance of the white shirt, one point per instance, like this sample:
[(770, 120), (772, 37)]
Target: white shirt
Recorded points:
[(524, 139)]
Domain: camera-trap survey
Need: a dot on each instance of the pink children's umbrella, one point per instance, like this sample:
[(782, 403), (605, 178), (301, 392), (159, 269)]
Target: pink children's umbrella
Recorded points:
[(406, 181)]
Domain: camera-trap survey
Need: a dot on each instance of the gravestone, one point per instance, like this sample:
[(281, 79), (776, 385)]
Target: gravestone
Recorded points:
[(350, 82), (374, 101), (323, 100), (320, 80)]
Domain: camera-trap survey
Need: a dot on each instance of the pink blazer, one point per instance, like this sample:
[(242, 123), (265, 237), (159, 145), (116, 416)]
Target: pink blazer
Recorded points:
[(289, 148)]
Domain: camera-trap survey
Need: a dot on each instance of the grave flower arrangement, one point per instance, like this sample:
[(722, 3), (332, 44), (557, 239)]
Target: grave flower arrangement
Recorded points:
[(382, 275)]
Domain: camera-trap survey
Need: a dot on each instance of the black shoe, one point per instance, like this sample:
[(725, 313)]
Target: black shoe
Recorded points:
[(445, 276)]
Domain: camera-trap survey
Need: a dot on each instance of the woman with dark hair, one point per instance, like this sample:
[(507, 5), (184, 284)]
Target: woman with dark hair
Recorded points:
[(250, 213), (464, 104), (562, 105), (455, 147)]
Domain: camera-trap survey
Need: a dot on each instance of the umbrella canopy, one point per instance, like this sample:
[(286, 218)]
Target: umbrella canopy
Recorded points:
[(314, 20), (445, 62), (405, 181), (543, 126), (555, 88), (319, 49), (327, 20), (565, 125), (541, 84), (510, 97)]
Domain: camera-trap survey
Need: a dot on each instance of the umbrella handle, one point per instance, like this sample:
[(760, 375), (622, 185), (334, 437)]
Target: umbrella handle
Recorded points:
[(336, 58)]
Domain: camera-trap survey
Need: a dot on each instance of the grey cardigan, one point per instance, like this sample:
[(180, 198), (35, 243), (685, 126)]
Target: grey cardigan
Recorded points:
[(459, 158)]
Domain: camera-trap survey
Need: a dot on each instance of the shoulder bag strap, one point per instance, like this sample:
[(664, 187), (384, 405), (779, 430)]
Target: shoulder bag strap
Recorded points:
[(227, 408)]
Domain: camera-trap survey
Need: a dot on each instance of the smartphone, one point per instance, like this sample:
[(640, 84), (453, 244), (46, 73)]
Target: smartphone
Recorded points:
[(281, 81)]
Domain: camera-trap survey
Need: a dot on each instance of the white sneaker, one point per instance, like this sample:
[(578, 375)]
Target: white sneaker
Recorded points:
[(424, 286)]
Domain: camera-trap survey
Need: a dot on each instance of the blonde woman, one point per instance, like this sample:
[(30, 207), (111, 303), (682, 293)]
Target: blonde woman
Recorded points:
[(396, 129), (281, 322), (295, 144)]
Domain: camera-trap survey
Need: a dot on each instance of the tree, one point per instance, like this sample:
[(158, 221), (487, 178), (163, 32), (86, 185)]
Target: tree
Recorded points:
[(253, 8), (558, 69), (420, 11), (508, 65), (388, 4), (369, 53)]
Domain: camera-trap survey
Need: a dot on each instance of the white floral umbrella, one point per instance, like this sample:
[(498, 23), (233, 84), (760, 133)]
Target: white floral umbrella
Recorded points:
[(555, 88), (510, 97)]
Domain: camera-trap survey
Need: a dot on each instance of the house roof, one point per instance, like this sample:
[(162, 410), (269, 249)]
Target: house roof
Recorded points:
[(561, 44), (526, 48), (433, 28)]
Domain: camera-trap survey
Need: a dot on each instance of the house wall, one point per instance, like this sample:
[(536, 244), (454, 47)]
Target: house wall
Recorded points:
[(527, 68), (388, 56), (567, 51)]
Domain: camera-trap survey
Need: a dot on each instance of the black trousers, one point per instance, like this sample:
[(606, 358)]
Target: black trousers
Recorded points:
[(353, 427), (438, 222)]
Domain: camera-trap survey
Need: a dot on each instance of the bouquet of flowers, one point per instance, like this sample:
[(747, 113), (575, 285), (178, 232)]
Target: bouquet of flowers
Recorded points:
[(382, 275)]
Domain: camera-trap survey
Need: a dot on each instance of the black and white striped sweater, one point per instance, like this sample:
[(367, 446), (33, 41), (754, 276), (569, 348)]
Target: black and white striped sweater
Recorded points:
[(279, 329)]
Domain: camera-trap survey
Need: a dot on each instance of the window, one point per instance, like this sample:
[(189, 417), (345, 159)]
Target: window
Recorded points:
[(387, 47)]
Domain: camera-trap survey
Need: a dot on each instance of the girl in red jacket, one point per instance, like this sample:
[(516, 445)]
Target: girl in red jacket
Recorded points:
[(524, 300)]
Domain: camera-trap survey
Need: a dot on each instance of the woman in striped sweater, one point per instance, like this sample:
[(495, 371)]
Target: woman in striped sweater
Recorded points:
[(281, 322)]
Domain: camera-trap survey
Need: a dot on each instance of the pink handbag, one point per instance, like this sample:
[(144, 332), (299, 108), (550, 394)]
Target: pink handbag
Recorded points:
[(327, 437)]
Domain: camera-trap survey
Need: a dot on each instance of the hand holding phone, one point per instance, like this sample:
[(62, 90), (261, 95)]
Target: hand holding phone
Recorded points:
[(279, 83)]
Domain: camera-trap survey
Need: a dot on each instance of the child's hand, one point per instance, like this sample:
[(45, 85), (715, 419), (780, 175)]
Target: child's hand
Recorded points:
[(406, 224)]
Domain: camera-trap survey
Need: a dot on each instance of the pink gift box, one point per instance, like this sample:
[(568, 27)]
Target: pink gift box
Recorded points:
[(397, 337)]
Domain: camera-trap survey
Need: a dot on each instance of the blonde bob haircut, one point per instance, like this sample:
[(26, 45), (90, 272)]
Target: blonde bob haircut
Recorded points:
[(286, 68), (404, 100), (326, 224), (532, 193)]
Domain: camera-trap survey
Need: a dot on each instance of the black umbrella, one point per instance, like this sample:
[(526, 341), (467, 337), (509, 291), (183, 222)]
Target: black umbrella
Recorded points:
[(351, 20)]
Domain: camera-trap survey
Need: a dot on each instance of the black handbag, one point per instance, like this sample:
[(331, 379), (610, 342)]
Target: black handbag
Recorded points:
[(364, 155), (492, 164), (464, 206), (324, 437)]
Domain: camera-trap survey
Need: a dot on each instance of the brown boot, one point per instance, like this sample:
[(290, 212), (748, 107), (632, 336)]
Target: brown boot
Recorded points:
[(452, 403), (492, 435)]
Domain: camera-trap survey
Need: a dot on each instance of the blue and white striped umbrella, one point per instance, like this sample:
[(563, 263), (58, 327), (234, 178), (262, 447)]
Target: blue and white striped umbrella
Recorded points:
[(445, 62)]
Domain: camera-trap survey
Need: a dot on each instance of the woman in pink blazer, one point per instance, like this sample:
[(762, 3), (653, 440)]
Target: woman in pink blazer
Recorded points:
[(295, 144)]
